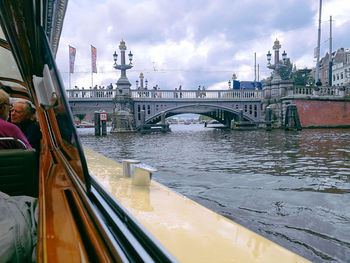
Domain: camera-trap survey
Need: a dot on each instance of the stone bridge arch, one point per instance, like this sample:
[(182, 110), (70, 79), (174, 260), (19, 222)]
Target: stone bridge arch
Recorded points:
[(220, 113)]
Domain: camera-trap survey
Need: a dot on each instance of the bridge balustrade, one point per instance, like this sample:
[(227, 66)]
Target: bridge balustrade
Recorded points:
[(91, 93), (322, 91), (166, 94), (196, 94), (328, 91)]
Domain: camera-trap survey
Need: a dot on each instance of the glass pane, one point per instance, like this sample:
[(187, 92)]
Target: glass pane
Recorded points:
[(8, 66), (2, 33)]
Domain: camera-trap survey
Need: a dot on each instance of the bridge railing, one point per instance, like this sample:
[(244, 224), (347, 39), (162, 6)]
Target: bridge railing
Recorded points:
[(166, 94), (336, 91), (91, 93), (302, 90), (196, 94)]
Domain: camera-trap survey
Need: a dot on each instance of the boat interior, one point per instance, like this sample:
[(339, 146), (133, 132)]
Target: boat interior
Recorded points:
[(79, 219)]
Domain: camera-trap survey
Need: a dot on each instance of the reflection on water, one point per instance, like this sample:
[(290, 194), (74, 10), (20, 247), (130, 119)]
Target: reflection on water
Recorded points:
[(291, 187)]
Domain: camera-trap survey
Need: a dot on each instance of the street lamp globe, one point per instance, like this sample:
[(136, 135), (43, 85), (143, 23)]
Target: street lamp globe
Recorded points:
[(115, 57), (130, 57), (284, 56), (268, 55)]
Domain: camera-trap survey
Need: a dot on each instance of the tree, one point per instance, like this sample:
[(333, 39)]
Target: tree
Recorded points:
[(303, 77), (80, 116)]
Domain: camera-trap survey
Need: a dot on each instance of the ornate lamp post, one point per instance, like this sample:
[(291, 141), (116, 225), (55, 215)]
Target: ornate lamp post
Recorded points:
[(123, 82), (234, 77), (277, 66)]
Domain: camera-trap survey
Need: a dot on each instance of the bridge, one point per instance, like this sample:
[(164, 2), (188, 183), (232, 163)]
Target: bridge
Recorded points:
[(222, 105)]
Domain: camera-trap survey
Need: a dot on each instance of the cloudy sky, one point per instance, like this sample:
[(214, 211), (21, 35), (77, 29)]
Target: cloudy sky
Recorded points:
[(195, 42)]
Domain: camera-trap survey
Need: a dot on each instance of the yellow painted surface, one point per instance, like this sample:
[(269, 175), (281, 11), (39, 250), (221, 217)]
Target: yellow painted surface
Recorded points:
[(190, 232)]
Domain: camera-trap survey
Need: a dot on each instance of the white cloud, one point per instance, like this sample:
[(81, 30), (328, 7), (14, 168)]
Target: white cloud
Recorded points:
[(191, 42)]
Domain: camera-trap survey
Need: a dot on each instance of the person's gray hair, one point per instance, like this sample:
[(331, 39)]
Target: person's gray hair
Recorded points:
[(4, 97), (27, 106)]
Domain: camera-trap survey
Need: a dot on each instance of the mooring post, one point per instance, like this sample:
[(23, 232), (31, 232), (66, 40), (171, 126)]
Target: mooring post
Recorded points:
[(97, 123), (104, 123), (142, 119), (268, 118)]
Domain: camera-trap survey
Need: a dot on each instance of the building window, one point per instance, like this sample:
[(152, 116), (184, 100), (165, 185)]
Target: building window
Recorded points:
[(337, 76), (341, 75), (333, 77), (148, 109)]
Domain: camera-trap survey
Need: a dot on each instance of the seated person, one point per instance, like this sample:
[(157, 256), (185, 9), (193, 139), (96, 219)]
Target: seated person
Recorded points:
[(8, 129), (18, 231), (23, 115)]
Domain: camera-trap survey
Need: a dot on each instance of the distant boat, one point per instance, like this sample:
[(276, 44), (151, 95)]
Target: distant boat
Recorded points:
[(85, 124), (214, 122)]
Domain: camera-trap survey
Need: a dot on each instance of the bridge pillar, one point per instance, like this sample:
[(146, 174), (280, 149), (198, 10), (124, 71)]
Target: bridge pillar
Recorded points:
[(227, 120), (123, 116), (240, 116), (162, 118), (143, 117)]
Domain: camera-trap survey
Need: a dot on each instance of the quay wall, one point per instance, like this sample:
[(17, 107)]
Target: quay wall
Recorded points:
[(323, 113)]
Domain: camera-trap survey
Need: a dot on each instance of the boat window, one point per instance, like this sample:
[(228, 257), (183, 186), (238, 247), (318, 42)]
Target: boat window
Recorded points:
[(9, 73), (59, 118), (63, 128)]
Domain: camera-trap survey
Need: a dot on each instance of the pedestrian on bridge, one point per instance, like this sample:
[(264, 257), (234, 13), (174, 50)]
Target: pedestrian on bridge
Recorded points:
[(203, 92), (180, 88)]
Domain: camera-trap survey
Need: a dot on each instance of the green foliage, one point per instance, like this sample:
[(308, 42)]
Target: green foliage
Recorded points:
[(80, 116), (303, 77)]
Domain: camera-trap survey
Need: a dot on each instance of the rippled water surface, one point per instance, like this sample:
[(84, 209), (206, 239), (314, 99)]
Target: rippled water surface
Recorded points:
[(291, 187)]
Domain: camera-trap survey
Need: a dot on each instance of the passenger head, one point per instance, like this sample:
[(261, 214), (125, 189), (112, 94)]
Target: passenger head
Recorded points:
[(21, 111), (4, 105)]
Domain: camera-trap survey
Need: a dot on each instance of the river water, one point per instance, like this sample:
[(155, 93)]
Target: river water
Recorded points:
[(291, 187)]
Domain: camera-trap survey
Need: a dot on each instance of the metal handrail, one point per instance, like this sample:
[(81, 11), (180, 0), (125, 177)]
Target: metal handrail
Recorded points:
[(21, 143)]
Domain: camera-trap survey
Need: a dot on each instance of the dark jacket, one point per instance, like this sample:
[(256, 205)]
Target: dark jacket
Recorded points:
[(32, 131)]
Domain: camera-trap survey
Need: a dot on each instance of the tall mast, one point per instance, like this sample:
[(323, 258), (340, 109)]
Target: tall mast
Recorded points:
[(330, 53), (254, 66), (317, 73)]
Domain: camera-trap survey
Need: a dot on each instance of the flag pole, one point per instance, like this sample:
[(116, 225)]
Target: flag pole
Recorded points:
[(93, 64), (69, 66)]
